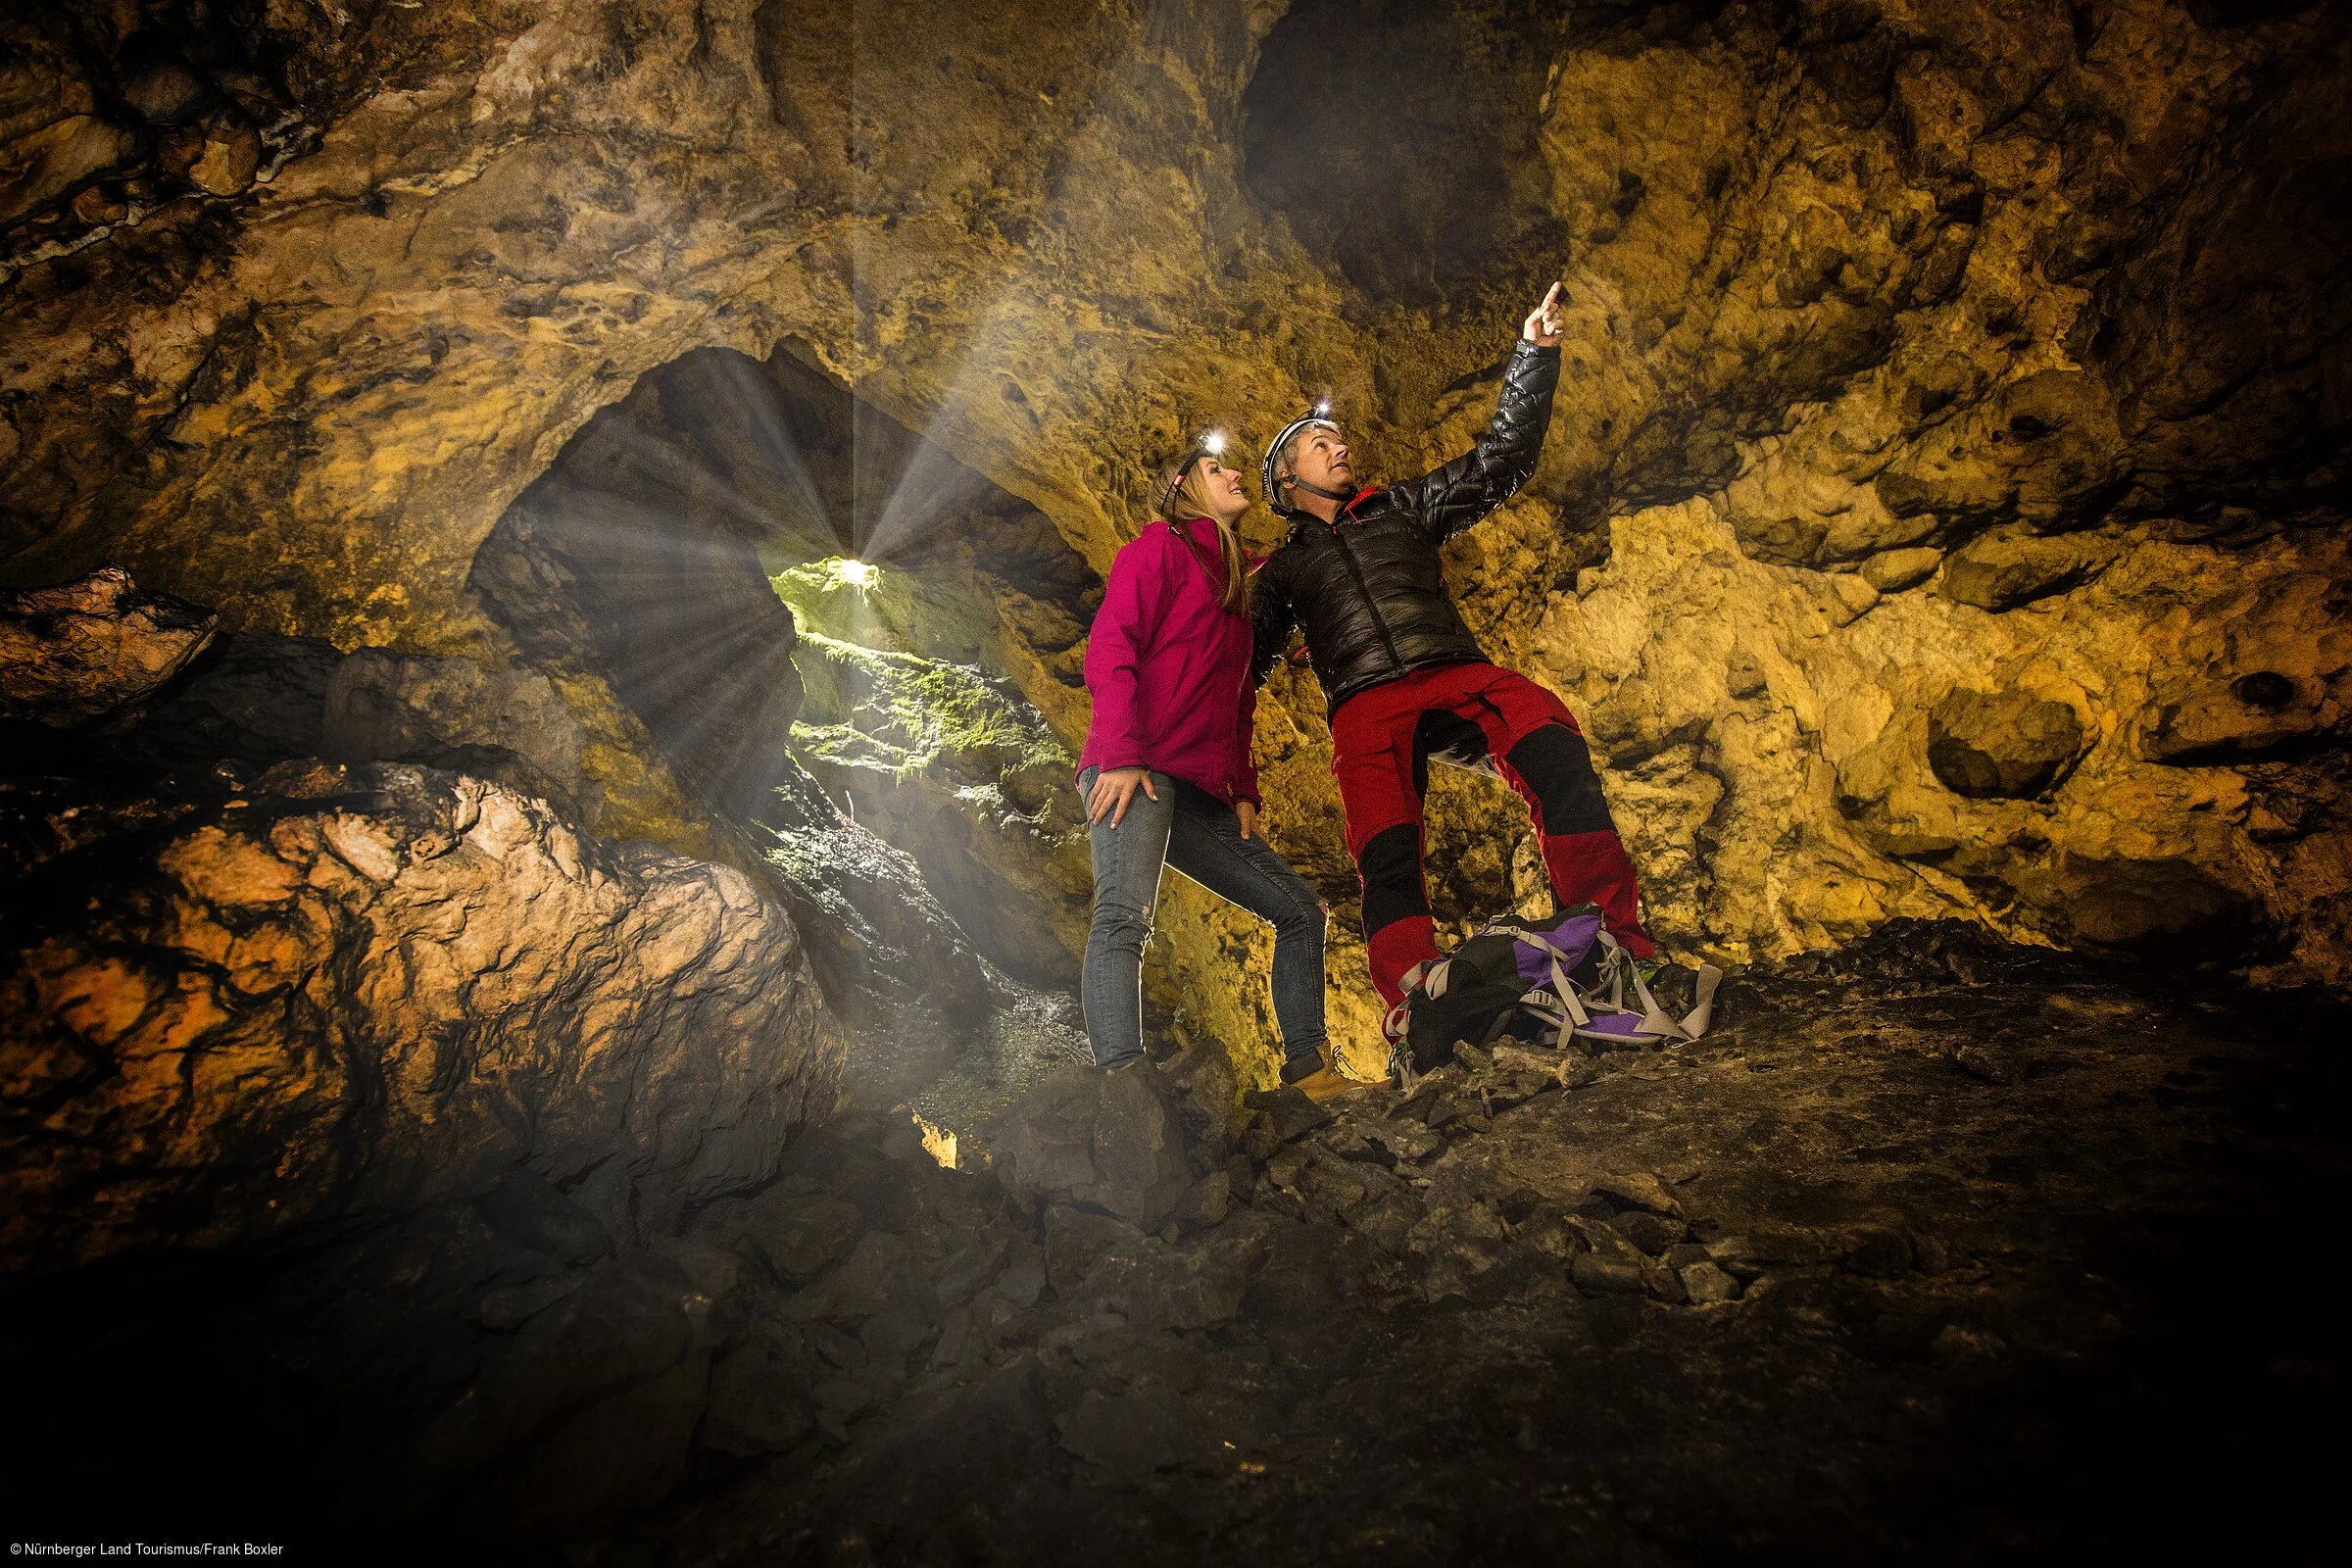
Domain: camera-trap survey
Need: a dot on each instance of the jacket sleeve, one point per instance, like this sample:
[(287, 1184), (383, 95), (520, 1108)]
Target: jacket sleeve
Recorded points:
[(1132, 608), (1271, 617), (1492, 472)]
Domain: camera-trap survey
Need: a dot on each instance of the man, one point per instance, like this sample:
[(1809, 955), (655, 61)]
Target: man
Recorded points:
[(1407, 683)]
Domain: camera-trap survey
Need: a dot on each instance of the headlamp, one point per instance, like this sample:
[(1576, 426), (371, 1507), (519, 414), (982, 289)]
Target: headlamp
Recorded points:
[(1210, 445)]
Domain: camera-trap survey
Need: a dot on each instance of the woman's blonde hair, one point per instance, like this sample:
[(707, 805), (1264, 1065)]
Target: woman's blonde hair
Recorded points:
[(1189, 499)]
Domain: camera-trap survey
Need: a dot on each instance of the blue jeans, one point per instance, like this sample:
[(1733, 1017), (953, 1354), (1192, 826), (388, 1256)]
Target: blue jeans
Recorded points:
[(1199, 834)]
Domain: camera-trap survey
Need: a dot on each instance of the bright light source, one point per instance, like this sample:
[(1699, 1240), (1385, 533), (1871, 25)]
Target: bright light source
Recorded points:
[(1213, 443), (860, 574), (1322, 408)]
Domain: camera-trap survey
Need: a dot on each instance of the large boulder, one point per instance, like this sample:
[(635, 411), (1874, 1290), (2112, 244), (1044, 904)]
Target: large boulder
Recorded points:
[(1114, 1140), (2002, 745), (2004, 570), (351, 994)]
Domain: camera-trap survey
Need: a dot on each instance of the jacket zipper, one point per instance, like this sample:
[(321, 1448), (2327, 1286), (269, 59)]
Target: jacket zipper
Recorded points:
[(1354, 570)]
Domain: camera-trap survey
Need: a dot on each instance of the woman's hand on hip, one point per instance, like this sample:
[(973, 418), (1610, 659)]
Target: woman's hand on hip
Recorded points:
[(1247, 812), (1114, 789)]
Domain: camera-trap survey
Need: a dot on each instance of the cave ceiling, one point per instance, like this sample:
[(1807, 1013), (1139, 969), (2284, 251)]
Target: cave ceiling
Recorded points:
[(1951, 433)]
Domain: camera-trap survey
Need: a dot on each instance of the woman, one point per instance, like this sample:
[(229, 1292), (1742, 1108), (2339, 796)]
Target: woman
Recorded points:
[(1166, 770)]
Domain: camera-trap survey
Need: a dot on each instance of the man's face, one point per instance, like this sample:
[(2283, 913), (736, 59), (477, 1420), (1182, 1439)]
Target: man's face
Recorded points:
[(1321, 459)]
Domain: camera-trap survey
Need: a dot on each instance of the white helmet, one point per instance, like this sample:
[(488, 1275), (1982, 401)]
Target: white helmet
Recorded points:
[(1318, 417)]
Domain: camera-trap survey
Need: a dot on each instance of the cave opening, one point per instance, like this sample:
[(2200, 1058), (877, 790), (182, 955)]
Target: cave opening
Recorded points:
[(811, 609), (655, 548)]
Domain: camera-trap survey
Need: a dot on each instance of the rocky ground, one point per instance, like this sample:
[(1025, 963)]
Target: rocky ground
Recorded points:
[(1938, 1251)]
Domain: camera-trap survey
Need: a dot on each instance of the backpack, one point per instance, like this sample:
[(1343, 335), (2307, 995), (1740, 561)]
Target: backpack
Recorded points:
[(1565, 976)]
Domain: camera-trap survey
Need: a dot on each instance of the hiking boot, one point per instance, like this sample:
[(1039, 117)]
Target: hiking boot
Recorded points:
[(1318, 1078)]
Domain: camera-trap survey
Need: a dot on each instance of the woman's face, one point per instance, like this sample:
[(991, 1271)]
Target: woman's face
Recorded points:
[(1227, 500)]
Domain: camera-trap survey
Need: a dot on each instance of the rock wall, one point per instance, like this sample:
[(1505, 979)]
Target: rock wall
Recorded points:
[(364, 1101), (345, 996), (1959, 358)]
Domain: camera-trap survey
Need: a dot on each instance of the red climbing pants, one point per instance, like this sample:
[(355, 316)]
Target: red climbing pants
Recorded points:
[(1471, 716)]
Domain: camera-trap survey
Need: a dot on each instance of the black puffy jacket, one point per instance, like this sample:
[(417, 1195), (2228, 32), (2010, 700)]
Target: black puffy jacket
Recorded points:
[(1367, 589)]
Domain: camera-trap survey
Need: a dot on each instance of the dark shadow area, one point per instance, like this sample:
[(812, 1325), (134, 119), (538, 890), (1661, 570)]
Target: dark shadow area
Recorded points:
[(1953, 1337), (1399, 139)]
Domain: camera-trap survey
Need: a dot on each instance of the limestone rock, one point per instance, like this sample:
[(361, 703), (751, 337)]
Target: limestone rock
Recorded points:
[(55, 159), (2257, 712), (2003, 572), (960, 772), (525, 1208), (760, 1395), (1197, 1284), (254, 701), (798, 1235), (1639, 1189), (2002, 745), (1292, 1113), (890, 956), (228, 157), (380, 706), (1890, 572), (83, 649), (202, 1024), (1706, 1284)]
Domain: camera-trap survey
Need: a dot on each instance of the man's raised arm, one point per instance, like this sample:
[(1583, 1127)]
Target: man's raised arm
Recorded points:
[(1491, 473)]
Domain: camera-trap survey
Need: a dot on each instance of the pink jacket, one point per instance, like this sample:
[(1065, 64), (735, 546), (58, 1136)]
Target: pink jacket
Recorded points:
[(1169, 670)]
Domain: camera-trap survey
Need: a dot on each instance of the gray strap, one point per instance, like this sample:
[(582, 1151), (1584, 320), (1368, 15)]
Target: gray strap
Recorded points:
[(1703, 1014)]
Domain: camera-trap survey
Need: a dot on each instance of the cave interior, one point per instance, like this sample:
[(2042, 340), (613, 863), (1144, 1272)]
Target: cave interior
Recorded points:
[(545, 569)]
